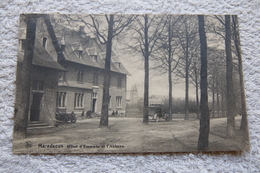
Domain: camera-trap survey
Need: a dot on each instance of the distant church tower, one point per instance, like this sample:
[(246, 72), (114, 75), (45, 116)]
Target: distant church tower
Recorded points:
[(133, 94)]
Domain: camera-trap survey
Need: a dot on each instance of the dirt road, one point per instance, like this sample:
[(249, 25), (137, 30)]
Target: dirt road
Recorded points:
[(128, 135)]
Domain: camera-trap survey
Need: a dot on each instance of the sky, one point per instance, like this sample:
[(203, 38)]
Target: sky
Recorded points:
[(158, 85)]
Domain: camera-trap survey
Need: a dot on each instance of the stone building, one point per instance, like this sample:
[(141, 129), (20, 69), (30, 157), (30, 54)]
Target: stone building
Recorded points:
[(81, 86), (44, 74)]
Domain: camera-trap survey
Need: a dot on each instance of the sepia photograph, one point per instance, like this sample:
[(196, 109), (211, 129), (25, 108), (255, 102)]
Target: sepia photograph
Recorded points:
[(146, 83)]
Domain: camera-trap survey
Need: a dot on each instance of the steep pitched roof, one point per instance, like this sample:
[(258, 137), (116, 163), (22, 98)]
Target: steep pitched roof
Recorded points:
[(90, 47), (42, 58)]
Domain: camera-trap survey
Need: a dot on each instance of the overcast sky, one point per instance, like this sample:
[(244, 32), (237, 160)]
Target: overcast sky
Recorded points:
[(158, 85)]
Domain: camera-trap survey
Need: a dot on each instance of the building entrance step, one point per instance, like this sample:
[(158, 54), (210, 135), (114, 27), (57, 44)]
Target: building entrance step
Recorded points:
[(37, 125)]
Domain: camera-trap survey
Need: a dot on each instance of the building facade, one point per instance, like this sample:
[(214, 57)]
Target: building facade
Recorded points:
[(80, 88), (44, 73)]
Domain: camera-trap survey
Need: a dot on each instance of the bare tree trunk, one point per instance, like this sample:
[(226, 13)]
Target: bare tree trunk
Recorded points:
[(187, 85), (170, 93), (244, 121), (213, 98), (217, 101), (203, 141), (170, 71), (222, 100), (197, 96), (146, 71), (22, 103), (106, 83), (230, 94)]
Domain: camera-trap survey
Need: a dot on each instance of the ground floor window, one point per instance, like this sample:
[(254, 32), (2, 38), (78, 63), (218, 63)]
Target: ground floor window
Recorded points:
[(79, 100), (119, 101), (62, 99)]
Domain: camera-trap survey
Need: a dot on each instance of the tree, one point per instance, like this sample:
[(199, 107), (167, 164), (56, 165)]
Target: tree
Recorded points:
[(188, 38), (244, 121), (106, 83), (215, 70), (166, 59), (22, 103), (203, 141), (146, 35), (229, 80), (114, 28), (194, 79)]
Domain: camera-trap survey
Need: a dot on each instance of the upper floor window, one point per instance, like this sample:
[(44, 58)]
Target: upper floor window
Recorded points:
[(62, 76), (21, 44), (79, 76), (44, 42), (119, 82), (95, 79), (37, 85)]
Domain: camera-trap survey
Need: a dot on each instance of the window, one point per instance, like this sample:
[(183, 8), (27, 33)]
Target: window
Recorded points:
[(118, 64), (95, 79), (93, 57), (62, 99), (62, 76), (119, 82), (21, 45), (119, 101), (62, 47), (94, 95), (80, 76), (44, 42), (80, 54), (37, 85), (78, 100)]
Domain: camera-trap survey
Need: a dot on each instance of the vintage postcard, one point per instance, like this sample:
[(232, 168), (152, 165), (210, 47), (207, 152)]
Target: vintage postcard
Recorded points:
[(129, 84)]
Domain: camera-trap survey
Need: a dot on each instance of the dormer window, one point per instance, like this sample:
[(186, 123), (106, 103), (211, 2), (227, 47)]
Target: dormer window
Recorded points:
[(93, 57), (62, 48), (92, 53), (118, 64), (80, 54), (44, 42)]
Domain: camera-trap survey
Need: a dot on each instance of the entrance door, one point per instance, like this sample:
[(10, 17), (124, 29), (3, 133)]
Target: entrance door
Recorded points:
[(35, 107), (94, 105)]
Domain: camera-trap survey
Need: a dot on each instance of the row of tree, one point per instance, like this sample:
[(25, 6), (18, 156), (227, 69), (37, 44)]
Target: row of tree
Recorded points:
[(177, 45), (189, 47)]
